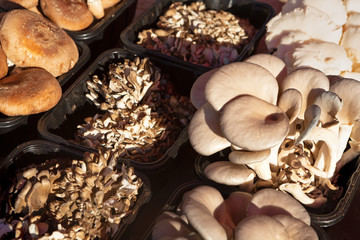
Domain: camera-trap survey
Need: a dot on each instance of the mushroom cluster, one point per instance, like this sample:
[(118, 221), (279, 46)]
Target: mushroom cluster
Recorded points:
[(205, 214), (85, 199), (72, 15), (285, 131), (33, 52), (142, 114), (197, 35), (311, 33)]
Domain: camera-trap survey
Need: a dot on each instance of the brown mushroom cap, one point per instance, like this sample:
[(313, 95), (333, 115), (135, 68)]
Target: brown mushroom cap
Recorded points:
[(3, 63), (30, 91), (253, 124), (72, 15), (13, 4), (109, 3), (30, 40)]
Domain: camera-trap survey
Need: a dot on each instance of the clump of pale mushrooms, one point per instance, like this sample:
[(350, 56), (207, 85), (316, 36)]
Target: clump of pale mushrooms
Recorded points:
[(205, 214), (284, 131), (311, 33)]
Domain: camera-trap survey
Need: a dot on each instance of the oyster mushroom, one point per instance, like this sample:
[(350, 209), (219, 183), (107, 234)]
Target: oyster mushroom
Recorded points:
[(290, 102), (274, 202), (197, 92), (96, 8), (233, 79), (199, 206), (3, 64), (204, 131)]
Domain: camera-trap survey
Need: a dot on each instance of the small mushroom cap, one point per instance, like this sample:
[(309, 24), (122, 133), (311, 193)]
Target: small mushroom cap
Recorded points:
[(199, 206), (67, 14), (272, 63), (274, 202), (290, 102), (96, 8), (197, 92), (229, 173), (204, 131), (302, 19), (297, 229), (330, 104), (309, 82), (335, 9), (260, 227), (330, 58), (348, 90), (246, 157), (233, 79), (28, 92), (30, 40), (253, 124)]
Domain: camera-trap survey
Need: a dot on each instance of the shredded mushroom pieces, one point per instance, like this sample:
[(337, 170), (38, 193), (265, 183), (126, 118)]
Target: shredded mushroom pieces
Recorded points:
[(88, 199), (142, 114), (194, 34)]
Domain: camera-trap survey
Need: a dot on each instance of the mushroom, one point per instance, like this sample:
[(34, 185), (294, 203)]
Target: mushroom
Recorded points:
[(330, 104), (30, 91), (297, 192), (274, 202), (197, 92), (233, 79), (204, 131), (352, 6), (199, 206), (3, 64), (259, 226), (109, 3), (67, 14), (248, 157), (229, 173), (290, 102), (30, 40), (14, 4), (259, 126), (297, 229), (96, 8)]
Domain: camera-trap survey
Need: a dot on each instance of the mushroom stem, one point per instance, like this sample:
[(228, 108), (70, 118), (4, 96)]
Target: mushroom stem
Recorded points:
[(262, 169), (312, 116)]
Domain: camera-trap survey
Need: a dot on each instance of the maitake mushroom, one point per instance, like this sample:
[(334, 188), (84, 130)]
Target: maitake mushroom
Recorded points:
[(197, 35), (142, 115), (205, 214), (292, 135), (86, 199)]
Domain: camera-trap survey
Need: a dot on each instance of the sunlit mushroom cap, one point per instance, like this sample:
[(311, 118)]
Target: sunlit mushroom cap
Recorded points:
[(352, 6), (350, 42), (197, 92), (239, 78), (297, 229), (253, 124)]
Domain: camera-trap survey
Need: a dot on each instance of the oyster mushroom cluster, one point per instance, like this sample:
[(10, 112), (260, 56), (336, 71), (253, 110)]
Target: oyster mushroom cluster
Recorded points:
[(311, 33), (205, 214), (285, 131), (72, 15), (142, 114), (206, 37), (85, 199)]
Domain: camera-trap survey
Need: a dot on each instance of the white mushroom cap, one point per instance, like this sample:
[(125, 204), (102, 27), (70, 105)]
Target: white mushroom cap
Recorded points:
[(350, 42), (296, 228), (229, 173), (328, 57), (233, 79), (260, 227), (272, 63), (274, 202), (253, 124), (197, 92), (352, 6), (335, 9), (353, 20), (204, 131), (309, 82), (199, 206), (245, 157), (290, 102), (302, 19), (289, 40), (330, 104)]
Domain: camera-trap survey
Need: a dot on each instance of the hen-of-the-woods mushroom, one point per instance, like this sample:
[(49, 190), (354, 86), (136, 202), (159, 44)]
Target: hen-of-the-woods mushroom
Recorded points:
[(311, 116), (268, 212)]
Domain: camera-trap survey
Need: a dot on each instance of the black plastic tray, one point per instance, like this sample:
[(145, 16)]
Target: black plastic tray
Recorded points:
[(119, 15), (37, 151), (8, 124), (176, 197), (59, 125), (326, 216), (258, 14)]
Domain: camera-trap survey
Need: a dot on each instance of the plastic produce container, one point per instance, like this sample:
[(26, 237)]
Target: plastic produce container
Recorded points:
[(258, 14), (115, 20), (8, 123), (176, 197), (37, 151), (59, 125), (329, 214)]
